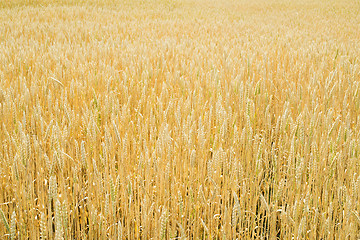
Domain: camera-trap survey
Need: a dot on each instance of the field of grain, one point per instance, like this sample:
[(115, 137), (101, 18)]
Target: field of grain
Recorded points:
[(170, 119)]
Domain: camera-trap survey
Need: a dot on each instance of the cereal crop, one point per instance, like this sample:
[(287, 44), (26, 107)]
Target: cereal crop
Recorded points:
[(179, 119)]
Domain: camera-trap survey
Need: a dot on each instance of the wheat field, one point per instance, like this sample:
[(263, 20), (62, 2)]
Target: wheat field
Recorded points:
[(170, 119)]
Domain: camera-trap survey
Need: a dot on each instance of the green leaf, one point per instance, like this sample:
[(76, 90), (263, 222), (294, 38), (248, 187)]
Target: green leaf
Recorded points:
[(5, 221)]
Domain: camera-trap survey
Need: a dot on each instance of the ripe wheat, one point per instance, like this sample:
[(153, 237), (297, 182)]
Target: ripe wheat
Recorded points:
[(179, 119)]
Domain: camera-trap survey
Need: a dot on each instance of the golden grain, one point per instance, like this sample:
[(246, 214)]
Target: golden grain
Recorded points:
[(179, 119)]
